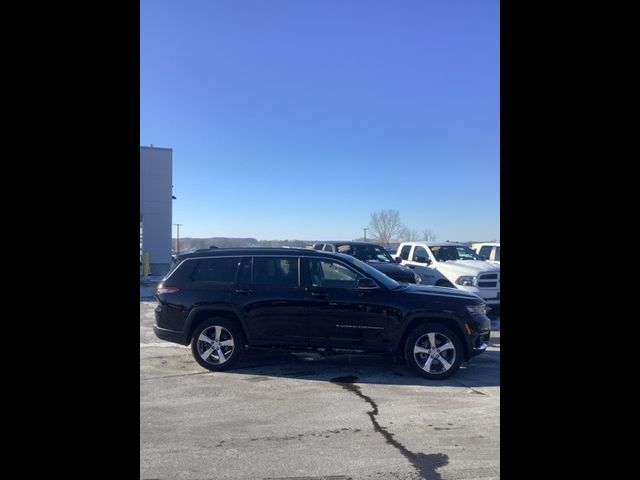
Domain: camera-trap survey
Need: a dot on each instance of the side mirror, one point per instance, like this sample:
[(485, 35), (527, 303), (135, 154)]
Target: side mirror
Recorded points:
[(367, 284), (398, 259)]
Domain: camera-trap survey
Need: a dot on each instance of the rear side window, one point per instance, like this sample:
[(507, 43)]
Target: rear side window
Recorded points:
[(404, 253), (217, 270), (280, 271)]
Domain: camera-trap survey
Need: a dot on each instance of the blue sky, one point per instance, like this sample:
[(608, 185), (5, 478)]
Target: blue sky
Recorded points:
[(297, 119)]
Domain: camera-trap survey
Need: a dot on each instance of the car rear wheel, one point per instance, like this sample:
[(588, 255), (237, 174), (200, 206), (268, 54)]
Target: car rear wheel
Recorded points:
[(217, 343), (433, 351)]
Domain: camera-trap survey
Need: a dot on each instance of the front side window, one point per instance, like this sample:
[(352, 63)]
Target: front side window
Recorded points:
[(330, 274), (281, 271), (485, 252), (420, 254), (216, 270), (497, 254)]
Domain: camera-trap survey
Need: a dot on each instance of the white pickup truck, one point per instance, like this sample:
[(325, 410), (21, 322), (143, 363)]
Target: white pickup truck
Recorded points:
[(453, 265), (490, 251)]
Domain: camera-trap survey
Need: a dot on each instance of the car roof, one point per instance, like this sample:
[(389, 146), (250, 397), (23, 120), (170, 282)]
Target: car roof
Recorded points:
[(249, 251)]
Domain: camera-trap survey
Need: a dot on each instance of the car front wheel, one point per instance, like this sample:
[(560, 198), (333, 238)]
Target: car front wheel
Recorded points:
[(217, 343), (433, 351)]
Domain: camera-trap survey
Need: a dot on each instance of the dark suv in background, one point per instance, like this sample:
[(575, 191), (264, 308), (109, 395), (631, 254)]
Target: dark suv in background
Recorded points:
[(375, 255), (224, 300)]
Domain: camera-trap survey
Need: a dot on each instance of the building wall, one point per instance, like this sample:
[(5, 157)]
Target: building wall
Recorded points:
[(155, 206)]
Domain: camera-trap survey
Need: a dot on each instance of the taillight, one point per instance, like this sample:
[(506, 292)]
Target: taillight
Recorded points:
[(162, 289)]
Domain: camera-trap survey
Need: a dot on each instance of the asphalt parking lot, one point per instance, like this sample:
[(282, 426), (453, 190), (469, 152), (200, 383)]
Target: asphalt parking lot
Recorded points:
[(304, 416)]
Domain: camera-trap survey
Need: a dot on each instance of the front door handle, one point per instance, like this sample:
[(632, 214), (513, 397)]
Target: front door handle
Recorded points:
[(244, 291), (320, 295)]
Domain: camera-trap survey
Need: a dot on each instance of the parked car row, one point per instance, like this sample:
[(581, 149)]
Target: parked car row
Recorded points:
[(222, 301), (453, 265)]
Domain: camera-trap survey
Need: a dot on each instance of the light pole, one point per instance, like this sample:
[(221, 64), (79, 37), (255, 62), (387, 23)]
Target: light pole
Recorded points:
[(178, 237), (365, 234)]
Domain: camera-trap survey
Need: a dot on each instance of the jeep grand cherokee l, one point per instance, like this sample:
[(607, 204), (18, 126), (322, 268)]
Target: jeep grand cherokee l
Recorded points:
[(226, 300)]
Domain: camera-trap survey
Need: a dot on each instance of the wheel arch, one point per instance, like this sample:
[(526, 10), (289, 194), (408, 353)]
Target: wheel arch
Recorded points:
[(198, 315)]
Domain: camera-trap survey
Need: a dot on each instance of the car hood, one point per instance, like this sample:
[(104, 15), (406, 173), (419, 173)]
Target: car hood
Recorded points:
[(433, 290), (468, 267)]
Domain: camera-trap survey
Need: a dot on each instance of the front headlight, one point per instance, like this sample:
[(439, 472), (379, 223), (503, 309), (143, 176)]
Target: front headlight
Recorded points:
[(418, 278), (467, 281), (477, 309)]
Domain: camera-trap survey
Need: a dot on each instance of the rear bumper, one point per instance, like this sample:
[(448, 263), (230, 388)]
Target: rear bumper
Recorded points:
[(172, 336)]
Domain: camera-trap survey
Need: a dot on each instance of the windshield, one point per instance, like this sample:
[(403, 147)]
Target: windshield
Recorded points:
[(443, 253), (380, 277), (366, 253)]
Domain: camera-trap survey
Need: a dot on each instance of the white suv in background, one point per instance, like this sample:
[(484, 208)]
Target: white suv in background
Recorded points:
[(460, 265)]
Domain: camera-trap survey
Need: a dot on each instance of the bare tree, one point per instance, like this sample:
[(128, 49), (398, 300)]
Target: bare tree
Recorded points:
[(385, 225), (407, 234), (428, 235)]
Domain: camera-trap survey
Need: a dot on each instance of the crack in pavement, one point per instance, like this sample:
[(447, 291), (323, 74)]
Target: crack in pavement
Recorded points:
[(426, 465)]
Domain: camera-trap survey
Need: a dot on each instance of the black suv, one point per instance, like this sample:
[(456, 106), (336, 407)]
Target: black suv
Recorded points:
[(224, 300), (375, 255)]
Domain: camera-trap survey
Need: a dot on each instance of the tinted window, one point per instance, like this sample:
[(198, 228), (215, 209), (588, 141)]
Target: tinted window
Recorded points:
[(497, 254), (485, 251), (318, 246), (218, 270), (282, 271), (330, 274), (366, 253), (404, 253), (420, 254)]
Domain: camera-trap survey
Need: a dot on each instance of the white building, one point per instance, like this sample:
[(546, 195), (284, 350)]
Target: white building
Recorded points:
[(156, 207)]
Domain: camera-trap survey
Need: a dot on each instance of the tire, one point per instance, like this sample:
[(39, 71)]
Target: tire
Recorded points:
[(434, 363), (230, 338), (445, 283)]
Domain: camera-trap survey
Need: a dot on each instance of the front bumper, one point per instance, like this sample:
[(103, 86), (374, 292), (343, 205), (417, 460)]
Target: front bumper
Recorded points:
[(480, 343)]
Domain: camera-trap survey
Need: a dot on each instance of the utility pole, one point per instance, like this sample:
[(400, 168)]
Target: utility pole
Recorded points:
[(365, 234), (178, 237)]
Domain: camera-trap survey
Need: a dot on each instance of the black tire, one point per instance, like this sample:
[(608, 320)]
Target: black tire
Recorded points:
[(230, 343), (445, 283), (434, 363)]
